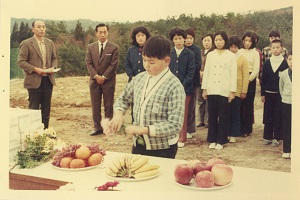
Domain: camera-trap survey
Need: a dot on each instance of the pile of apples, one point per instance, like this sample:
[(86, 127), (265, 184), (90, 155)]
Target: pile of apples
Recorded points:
[(214, 172)]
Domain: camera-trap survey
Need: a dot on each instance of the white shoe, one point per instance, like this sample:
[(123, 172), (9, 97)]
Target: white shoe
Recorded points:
[(286, 155), (212, 146), (275, 143), (219, 147), (180, 144), (232, 140), (267, 142), (189, 135)]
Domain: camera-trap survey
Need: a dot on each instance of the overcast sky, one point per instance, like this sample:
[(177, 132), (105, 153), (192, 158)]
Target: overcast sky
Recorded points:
[(132, 10)]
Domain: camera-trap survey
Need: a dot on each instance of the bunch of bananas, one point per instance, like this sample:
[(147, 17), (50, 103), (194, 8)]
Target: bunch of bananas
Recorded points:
[(131, 166)]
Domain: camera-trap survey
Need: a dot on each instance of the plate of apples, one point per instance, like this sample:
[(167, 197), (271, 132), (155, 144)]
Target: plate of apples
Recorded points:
[(214, 174)]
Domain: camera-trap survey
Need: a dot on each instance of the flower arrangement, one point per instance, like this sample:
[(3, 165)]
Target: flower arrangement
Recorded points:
[(37, 148)]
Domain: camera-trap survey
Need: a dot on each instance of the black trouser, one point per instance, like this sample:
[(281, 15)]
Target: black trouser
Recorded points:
[(235, 117), (40, 98), (247, 109), (286, 117), (164, 153), (272, 116), (191, 121), (218, 119)]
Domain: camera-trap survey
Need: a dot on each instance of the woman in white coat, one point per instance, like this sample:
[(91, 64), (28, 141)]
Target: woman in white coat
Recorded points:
[(219, 87)]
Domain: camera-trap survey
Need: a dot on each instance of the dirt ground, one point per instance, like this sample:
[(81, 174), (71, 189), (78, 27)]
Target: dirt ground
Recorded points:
[(71, 117)]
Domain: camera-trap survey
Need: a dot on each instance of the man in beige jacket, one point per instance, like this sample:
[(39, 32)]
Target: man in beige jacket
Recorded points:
[(38, 54)]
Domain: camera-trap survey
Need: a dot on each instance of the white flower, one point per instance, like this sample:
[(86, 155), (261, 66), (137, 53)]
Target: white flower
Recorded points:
[(51, 132)]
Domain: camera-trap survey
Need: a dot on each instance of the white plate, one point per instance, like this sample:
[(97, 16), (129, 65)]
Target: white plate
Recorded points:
[(80, 169), (131, 179), (51, 70), (193, 186)]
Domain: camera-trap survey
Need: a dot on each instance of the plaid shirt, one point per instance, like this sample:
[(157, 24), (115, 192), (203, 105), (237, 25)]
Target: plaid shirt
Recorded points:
[(266, 53), (162, 109)]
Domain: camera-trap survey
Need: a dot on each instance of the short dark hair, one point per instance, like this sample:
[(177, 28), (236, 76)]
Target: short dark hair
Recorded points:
[(277, 41), (157, 47), (274, 33), (234, 40), (252, 35), (33, 23), (190, 31), (136, 31), (177, 31), (208, 35), (224, 35), (101, 25)]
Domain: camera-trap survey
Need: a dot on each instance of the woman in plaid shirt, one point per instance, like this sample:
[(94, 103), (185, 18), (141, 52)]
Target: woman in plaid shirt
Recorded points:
[(159, 100)]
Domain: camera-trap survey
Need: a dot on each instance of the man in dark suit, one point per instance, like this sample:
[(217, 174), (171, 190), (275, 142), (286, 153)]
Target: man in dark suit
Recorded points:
[(102, 59), (38, 54)]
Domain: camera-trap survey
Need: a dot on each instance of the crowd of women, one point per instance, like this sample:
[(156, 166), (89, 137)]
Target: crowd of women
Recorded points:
[(220, 83)]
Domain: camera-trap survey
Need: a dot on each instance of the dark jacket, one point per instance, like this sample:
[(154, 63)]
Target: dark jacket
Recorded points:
[(196, 50), (183, 68), (134, 62), (270, 79)]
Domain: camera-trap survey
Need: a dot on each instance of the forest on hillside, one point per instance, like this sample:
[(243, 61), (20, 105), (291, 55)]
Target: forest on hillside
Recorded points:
[(71, 42)]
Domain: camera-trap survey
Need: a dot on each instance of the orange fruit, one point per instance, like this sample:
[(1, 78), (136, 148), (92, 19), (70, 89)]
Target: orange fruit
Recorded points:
[(82, 152), (65, 162), (77, 163), (95, 159)]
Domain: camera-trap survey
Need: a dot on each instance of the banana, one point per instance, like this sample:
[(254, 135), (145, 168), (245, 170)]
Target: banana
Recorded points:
[(134, 159), (113, 167), (146, 174), (116, 162), (140, 162), (131, 166), (109, 172), (146, 167), (127, 161)]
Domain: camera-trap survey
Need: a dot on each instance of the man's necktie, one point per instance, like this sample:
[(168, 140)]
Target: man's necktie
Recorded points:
[(101, 51)]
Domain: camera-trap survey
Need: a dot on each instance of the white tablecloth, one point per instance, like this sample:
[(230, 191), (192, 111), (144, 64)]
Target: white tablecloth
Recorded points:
[(245, 182)]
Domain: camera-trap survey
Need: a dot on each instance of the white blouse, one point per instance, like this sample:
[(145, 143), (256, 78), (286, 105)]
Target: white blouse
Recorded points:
[(252, 56), (220, 73)]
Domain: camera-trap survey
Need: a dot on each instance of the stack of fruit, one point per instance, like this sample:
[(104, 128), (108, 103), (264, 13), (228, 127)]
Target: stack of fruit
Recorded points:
[(78, 156), (131, 166), (208, 174)]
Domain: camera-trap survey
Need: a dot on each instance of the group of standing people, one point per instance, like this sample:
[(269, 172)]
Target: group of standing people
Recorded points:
[(165, 83)]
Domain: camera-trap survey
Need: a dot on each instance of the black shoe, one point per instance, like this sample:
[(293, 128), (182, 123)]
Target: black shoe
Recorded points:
[(96, 133), (200, 124)]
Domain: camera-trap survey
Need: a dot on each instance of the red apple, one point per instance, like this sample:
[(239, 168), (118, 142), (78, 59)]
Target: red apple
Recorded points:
[(201, 166), (183, 173), (192, 162), (214, 161), (222, 173), (205, 179)]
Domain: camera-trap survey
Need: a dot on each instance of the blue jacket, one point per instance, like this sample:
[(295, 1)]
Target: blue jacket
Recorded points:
[(196, 50), (183, 68), (134, 62)]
